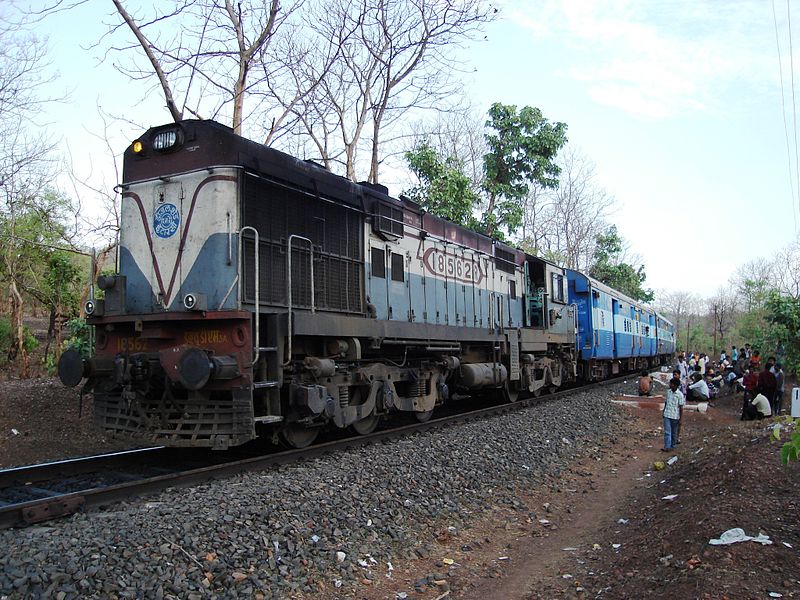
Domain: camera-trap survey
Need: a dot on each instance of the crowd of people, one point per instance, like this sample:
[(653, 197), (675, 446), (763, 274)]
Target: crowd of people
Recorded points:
[(698, 378)]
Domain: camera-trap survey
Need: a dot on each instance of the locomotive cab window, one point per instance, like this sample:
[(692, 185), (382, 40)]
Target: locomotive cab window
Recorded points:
[(378, 257), (512, 289), (397, 267), (557, 287)]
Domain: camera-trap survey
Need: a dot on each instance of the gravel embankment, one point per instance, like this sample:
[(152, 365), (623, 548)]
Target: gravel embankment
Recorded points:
[(340, 518)]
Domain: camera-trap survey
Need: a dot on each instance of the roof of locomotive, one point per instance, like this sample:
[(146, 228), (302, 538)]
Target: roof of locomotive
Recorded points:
[(204, 144)]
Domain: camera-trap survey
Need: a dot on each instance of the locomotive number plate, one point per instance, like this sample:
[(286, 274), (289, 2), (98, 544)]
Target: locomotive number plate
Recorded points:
[(444, 264), (136, 344)]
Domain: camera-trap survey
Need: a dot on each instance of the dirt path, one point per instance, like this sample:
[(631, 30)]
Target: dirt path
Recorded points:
[(601, 529), (574, 509)]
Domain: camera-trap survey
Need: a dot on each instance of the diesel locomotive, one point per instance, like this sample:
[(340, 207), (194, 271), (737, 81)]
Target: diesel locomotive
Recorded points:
[(256, 294)]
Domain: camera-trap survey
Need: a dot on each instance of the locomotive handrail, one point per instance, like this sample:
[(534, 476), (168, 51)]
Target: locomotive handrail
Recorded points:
[(575, 327), (289, 285), (257, 340)]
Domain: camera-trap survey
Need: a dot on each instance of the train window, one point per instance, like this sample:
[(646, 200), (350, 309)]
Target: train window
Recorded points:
[(378, 262), (557, 285), (397, 267), (512, 289)]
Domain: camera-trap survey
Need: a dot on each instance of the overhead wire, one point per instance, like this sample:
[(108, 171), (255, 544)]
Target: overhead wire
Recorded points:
[(794, 101), (785, 124)]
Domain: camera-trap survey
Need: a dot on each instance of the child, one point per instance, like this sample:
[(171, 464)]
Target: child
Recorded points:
[(673, 411), (645, 383)]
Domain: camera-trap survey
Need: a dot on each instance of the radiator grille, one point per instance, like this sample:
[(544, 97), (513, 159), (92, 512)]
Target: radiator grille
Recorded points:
[(335, 231)]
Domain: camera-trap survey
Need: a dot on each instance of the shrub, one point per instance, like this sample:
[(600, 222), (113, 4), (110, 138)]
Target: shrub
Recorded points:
[(78, 337)]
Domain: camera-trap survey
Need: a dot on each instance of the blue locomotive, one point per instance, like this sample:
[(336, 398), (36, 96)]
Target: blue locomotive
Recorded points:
[(256, 294)]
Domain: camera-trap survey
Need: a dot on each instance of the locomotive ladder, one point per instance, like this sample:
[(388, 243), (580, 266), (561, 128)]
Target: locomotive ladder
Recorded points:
[(258, 350)]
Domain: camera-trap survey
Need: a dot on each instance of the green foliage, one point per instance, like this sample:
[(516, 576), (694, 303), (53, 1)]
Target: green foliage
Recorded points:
[(780, 333), (78, 338), (609, 268), (522, 150), (30, 343), (62, 283), (444, 189), (791, 449)]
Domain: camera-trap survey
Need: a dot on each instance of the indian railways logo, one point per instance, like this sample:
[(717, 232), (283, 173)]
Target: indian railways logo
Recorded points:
[(166, 220)]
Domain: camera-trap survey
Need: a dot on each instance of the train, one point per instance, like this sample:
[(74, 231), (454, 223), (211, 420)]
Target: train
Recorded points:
[(257, 295)]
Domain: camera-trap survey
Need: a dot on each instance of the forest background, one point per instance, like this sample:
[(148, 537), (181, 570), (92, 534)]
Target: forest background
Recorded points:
[(368, 89)]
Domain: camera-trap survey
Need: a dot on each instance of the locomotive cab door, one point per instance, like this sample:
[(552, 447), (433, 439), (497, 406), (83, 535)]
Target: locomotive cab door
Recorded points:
[(535, 285), (397, 280), (378, 286)]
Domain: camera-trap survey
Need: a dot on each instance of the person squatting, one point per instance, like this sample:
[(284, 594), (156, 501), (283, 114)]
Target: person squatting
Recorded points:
[(762, 385)]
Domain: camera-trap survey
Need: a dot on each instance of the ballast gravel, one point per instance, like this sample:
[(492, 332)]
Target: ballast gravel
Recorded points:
[(337, 519)]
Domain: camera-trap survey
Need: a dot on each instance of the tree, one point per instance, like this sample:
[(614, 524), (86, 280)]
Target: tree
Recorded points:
[(752, 282), (26, 166), (443, 189), (681, 308), (521, 152), (722, 308), (786, 270), (565, 222), (206, 55), (610, 268), (782, 334), (392, 56)]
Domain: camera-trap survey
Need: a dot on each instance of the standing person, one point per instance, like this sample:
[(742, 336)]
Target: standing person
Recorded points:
[(683, 367), (747, 352), (767, 384), (673, 411), (780, 381), (702, 362), (750, 383), (741, 363), (723, 356), (734, 354), (676, 374), (645, 383)]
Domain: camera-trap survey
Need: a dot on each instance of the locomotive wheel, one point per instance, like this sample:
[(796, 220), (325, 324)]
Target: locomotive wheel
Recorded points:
[(552, 389), (424, 416), (366, 425), (297, 436), (369, 423), (510, 394), (537, 392)]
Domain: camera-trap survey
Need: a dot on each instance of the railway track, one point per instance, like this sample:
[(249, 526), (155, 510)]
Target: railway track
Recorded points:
[(37, 493)]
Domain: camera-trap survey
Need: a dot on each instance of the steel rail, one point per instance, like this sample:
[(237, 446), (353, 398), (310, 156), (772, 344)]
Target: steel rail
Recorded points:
[(35, 511)]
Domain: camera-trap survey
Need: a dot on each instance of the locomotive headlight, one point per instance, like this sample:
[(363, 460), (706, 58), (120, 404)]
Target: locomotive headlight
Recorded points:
[(137, 147), (197, 302), (89, 307), (167, 139)]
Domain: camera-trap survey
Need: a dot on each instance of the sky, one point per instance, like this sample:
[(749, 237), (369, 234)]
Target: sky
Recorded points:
[(684, 106)]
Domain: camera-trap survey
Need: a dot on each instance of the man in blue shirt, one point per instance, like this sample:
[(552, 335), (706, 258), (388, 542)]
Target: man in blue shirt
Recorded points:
[(673, 410)]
